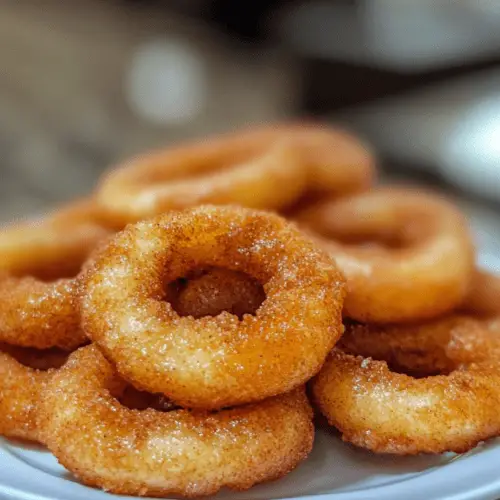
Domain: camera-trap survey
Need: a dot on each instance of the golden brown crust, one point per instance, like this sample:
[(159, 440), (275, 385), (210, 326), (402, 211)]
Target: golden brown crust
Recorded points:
[(407, 255), (219, 361), (54, 245), (222, 171), (38, 314), (179, 452), (268, 167), (23, 376), (41, 309), (388, 412), (338, 163)]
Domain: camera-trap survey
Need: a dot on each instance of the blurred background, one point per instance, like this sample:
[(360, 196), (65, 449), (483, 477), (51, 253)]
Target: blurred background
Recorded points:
[(85, 85)]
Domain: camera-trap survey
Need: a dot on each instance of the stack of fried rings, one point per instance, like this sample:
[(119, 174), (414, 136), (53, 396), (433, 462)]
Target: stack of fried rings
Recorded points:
[(123, 310), (251, 370), (39, 318), (222, 314)]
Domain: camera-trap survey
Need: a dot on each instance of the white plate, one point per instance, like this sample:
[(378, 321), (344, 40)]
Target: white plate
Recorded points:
[(334, 470)]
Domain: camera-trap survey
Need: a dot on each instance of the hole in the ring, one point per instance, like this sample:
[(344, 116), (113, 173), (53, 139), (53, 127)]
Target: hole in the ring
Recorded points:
[(380, 241), (39, 359), (411, 367), (134, 399), (372, 234), (417, 370), (212, 290), (416, 362), (414, 371), (55, 272)]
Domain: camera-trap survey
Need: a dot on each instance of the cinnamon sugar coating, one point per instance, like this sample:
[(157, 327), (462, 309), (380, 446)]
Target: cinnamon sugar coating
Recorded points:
[(212, 362), (388, 412), (23, 375)]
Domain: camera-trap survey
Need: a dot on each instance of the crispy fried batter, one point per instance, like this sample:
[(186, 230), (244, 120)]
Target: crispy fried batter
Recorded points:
[(23, 374), (39, 284), (219, 361), (54, 245), (38, 314), (389, 412)]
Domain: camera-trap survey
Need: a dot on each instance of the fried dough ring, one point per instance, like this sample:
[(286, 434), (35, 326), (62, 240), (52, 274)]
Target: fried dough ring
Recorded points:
[(260, 168), (38, 313), (54, 245), (421, 264), (221, 171), (387, 412), (22, 379), (219, 361), (214, 291), (179, 452)]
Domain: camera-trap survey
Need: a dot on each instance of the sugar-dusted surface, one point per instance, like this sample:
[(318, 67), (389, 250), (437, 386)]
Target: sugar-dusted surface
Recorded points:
[(219, 361), (23, 374), (333, 470), (389, 412), (177, 452), (34, 313), (39, 263)]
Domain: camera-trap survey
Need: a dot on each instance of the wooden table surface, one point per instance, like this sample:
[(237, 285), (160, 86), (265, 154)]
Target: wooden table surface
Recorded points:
[(64, 111)]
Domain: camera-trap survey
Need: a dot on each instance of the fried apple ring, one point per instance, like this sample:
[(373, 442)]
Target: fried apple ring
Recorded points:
[(37, 314), (213, 362), (178, 452), (407, 255), (216, 290), (221, 171), (262, 168), (53, 245), (388, 412), (41, 309), (23, 375)]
